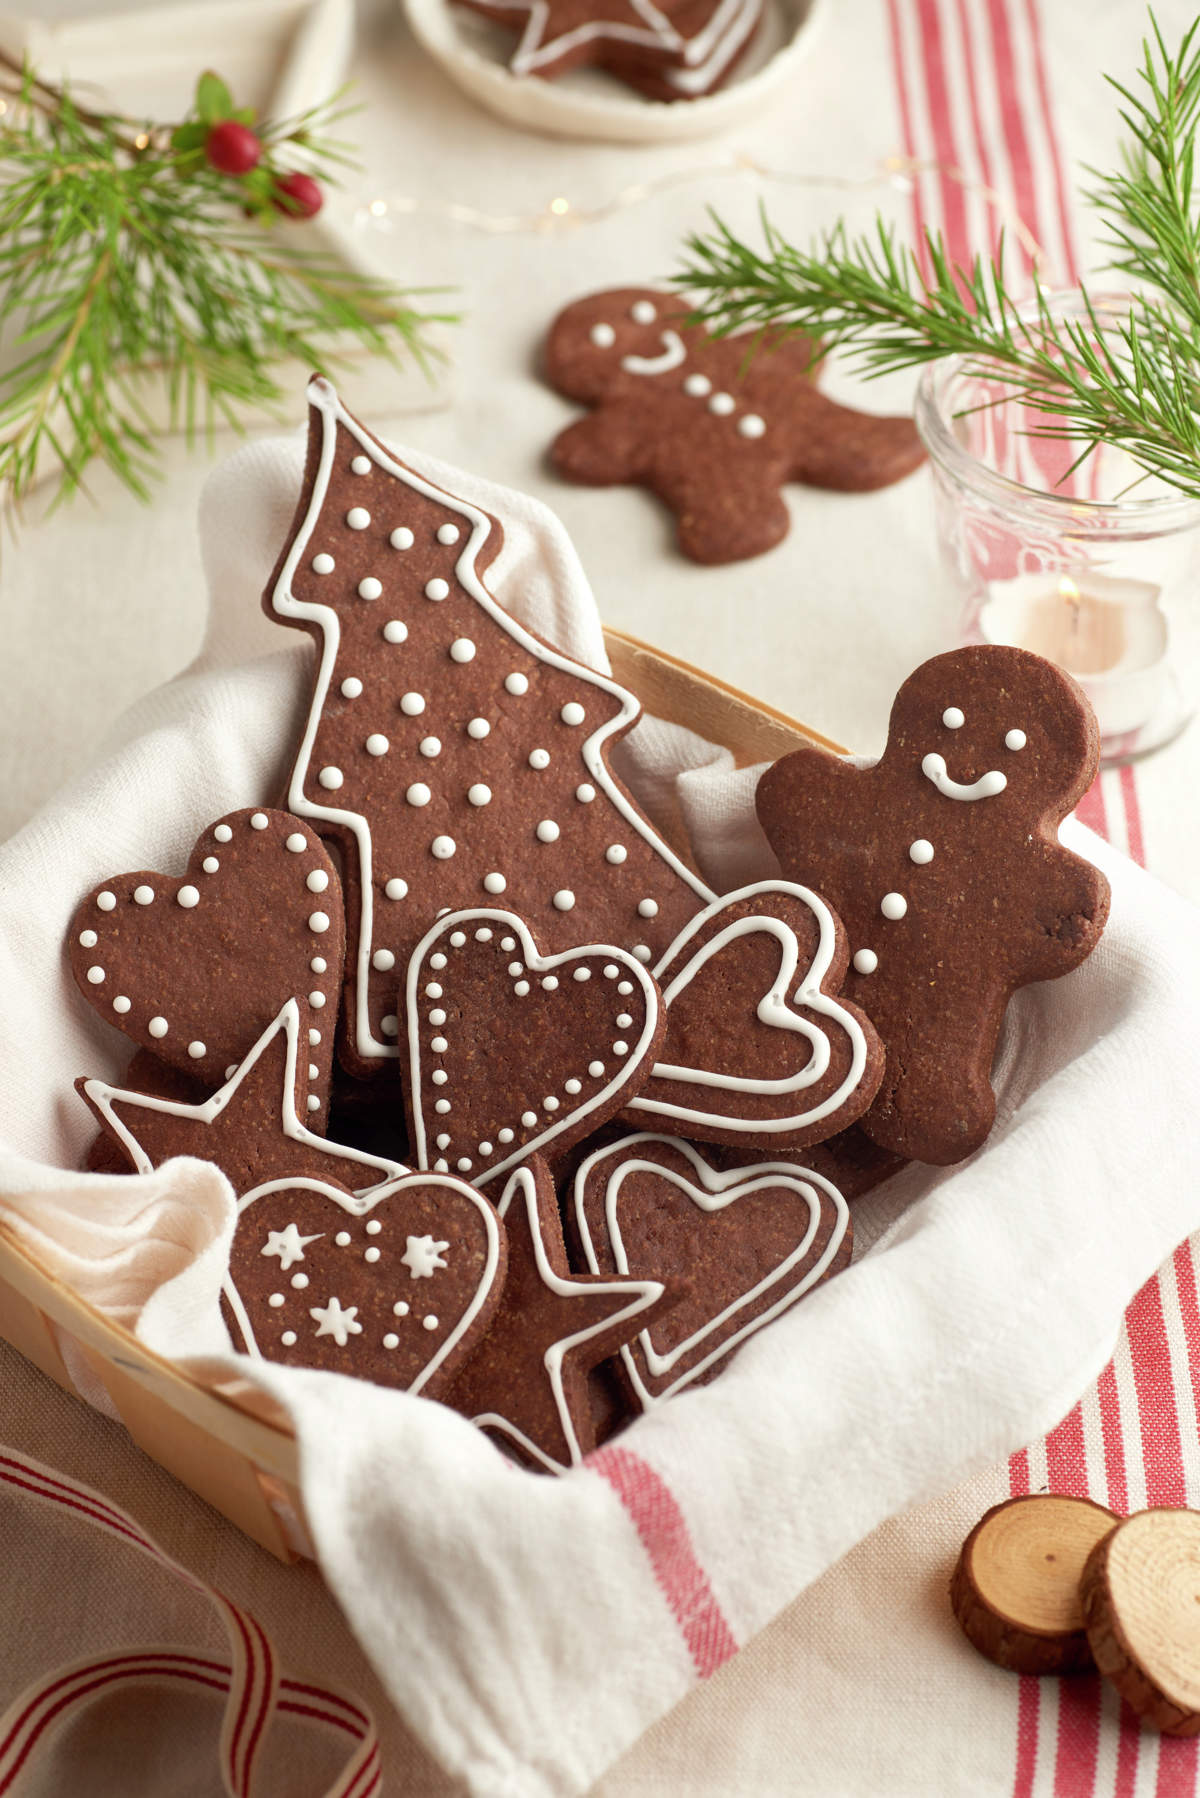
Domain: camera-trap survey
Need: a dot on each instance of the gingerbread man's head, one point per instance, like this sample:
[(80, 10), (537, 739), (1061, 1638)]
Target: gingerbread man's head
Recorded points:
[(599, 342), (999, 727)]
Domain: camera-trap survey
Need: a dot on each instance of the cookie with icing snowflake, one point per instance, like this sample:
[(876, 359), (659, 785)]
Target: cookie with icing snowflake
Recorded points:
[(715, 431)]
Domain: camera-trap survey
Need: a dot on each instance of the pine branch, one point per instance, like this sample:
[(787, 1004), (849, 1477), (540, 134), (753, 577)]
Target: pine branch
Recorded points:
[(125, 254), (1131, 379)]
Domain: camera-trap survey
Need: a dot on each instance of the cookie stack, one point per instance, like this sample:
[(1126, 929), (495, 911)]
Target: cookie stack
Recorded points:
[(519, 1114)]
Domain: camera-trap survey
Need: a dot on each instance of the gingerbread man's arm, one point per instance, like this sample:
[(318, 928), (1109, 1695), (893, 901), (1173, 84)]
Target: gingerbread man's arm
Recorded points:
[(852, 452), (800, 800), (601, 449), (1070, 900)]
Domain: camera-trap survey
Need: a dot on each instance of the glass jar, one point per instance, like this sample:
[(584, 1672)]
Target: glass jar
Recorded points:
[(1097, 568)]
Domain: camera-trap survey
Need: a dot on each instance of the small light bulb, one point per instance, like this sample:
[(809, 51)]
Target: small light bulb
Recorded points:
[(142, 140), (377, 208), (559, 206)]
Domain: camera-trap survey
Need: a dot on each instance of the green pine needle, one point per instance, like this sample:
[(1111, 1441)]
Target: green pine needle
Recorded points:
[(1132, 380), (125, 257)]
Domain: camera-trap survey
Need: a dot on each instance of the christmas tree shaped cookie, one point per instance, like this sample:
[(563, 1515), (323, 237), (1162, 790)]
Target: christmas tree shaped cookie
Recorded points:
[(460, 761)]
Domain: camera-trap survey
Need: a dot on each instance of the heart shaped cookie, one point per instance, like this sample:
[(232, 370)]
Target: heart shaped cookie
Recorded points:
[(758, 1049), (195, 967), (397, 1287), (752, 1241), (510, 1050)]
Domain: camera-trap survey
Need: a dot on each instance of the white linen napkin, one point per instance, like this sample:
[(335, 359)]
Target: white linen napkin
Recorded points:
[(530, 1628)]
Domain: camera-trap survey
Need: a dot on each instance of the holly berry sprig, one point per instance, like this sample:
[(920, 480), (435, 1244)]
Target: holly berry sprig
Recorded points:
[(223, 136), (175, 252)]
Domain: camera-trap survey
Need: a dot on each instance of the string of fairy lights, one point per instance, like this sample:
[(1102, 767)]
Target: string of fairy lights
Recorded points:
[(561, 215)]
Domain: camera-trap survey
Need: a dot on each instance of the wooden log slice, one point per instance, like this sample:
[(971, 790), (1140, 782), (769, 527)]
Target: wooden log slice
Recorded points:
[(1141, 1602), (1015, 1590)]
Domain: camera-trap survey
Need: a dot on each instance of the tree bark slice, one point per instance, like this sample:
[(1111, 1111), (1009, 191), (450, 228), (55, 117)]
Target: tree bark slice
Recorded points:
[(1015, 1590), (1141, 1602)]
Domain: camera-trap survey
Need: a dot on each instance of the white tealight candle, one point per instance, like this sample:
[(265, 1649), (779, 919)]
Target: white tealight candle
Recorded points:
[(1110, 634)]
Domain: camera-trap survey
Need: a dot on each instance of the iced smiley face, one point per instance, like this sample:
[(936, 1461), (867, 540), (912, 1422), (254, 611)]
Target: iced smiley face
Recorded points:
[(601, 344), (994, 724)]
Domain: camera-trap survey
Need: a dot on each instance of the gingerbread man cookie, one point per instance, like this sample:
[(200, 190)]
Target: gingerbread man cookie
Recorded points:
[(714, 430), (460, 761), (944, 863)]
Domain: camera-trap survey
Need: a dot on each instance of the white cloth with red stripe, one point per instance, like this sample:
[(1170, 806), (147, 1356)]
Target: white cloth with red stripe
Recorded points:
[(528, 1628)]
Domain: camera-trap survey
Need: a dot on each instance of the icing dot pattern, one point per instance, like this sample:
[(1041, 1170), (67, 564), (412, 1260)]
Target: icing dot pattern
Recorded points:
[(516, 747), (489, 1123)]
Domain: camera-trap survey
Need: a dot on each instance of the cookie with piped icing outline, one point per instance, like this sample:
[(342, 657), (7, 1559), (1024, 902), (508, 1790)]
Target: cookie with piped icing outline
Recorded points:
[(752, 1241), (457, 759), (527, 1384), (399, 1286), (944, 863), (715, 35), (511, 1051), (248, 1127), (760, 1049), (716, 427), (676, 50), (193, 967)]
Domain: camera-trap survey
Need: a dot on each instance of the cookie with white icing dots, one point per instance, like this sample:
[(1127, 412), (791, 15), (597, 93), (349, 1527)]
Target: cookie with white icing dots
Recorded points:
[(714, 430), (943, 862), (527, 1385), (752, 1241), (511, 1051), (675, 50), (459, 761), (398, 1287), (193, 967)]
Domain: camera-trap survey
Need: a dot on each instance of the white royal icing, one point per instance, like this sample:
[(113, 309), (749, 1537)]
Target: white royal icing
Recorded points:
[(456, 925), (986, 787), (641, 1294), (790, 988), (672, 355), (479, 528), (710, 1191), (1015, 739), (655, 32)]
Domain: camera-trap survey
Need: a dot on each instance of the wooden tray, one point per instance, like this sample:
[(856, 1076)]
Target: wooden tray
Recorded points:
[(231, 1445)]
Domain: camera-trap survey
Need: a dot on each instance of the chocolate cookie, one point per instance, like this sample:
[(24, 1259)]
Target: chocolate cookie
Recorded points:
[(194, 967), (528, 1383), (751, 1241), (398, 1287), (944, 863), (511, 1051), (716, 427)]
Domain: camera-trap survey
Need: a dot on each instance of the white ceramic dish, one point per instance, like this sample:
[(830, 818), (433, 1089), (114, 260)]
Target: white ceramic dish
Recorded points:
[(588, 103)]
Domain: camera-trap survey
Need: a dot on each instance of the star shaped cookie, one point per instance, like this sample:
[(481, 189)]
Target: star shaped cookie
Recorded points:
[(528, 1383), (248, 1127)]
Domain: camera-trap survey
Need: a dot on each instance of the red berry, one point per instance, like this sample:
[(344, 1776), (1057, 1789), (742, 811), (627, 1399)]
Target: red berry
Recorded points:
[(232, 149), (298, 196)]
